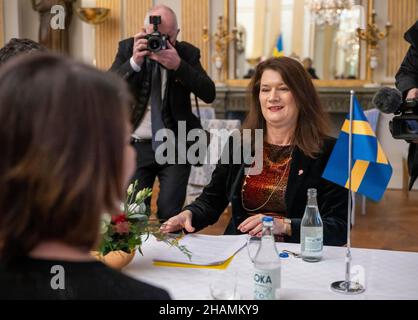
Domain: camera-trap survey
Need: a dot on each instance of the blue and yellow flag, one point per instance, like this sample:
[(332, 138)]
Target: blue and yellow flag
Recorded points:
[(371, 170), (278, 49)]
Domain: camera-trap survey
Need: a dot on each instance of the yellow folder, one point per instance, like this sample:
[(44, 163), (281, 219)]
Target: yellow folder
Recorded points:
[(222, 266)]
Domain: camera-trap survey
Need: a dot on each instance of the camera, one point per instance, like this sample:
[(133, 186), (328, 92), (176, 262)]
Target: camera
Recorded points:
[(156, 40), (404, 125)]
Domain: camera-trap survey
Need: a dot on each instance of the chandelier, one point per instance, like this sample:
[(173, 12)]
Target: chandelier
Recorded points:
[(328, 11)]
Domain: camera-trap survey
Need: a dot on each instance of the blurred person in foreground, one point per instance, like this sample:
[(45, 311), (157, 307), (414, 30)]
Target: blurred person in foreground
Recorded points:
[(66, 160), (285, 104)]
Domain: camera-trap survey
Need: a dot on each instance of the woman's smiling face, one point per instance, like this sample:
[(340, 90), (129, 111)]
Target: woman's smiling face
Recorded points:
[(278, 105)]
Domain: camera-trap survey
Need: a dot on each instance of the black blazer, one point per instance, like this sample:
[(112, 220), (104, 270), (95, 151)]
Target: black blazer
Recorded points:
[(30, 279), (226, 184), (406, 79), (407, 76), (189, 78), (412, 164)]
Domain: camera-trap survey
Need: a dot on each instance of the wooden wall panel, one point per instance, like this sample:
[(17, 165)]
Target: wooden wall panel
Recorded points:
[(195, 16), (135, 11), (108, 34), (1, 24), (298, 27), (402, 14), (327, 57)]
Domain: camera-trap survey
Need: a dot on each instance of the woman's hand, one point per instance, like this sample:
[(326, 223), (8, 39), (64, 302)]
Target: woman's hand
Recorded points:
[(178, 222), (254, 226)]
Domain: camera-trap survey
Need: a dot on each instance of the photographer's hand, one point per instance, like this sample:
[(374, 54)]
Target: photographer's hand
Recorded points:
[(412, 94), (140, 48), (168, 58)]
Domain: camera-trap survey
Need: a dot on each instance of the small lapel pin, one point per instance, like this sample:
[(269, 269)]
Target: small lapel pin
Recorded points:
[(300, 172)]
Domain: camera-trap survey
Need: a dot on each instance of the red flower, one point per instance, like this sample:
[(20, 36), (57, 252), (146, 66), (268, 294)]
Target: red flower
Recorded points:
[(122, 227), (116, 219)]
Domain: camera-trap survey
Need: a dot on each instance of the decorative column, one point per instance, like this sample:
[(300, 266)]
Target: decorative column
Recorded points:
[(1, 24), (403, 15), (134, 13), (197, 18), (108, 34)]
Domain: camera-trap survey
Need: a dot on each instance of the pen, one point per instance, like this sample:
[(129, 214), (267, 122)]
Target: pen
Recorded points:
[(296, 255)]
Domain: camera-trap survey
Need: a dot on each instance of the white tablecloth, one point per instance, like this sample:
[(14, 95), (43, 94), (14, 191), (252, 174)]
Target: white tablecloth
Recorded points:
[(388, 274)]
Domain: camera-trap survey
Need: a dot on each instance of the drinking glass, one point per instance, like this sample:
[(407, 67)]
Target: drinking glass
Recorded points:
[(223, 285)]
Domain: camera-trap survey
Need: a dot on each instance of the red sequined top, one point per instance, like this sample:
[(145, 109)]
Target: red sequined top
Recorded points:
[(265, 193)]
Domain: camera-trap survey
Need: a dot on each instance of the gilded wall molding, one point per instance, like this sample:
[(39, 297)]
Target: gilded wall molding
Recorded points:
[(108, 34), (197, 13), (402, 15), (134, 12)]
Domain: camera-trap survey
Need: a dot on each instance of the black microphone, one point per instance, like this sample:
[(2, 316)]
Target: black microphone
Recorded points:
[(387, 100)]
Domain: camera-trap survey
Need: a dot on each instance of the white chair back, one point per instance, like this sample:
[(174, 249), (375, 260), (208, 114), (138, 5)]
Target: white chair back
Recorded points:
[(220, 130), (205, 112)]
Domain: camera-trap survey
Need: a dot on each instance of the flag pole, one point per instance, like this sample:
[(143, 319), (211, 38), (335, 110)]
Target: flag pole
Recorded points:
[(347, 286)]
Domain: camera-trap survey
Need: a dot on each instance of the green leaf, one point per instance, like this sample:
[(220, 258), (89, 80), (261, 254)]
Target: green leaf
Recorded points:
[(140, 251)]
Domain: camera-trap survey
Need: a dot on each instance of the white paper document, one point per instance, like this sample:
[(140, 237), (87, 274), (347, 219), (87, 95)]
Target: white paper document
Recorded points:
[(206, 250)]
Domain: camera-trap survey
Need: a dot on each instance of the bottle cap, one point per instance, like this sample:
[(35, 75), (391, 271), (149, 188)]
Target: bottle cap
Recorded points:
[(284, 255), (268, 219), (312, 192)]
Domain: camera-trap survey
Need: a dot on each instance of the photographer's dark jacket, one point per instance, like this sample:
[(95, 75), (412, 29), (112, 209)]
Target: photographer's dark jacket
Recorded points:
[(190, 77), (413, 164), (406, 79), (226, 186), (407, 76)]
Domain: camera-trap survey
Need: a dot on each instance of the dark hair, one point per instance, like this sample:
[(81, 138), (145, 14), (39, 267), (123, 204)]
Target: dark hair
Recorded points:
[(62, 136), (312, 123), (16, 47)]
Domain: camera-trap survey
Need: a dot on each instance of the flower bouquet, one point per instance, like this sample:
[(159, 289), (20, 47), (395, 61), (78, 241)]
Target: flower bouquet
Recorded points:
[(125, 232)]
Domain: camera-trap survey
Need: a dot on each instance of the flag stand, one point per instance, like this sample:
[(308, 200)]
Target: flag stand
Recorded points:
[(347, 286)]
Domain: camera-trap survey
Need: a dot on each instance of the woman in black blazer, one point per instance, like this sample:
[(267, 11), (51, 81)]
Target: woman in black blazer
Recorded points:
[(296, 149)]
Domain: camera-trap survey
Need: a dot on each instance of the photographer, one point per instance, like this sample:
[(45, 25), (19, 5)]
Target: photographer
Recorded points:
[(162, 73), (407, 83)]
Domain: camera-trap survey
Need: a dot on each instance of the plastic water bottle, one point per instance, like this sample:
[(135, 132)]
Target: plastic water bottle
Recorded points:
[(267, 273), (311, 231)]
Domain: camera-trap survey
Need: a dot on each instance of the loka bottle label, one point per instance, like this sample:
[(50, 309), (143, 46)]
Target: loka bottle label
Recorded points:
[(265, 283), (313, 244)]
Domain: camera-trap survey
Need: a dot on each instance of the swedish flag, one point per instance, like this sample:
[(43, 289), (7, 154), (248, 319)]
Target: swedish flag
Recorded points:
[(278, 49), (371, 170)]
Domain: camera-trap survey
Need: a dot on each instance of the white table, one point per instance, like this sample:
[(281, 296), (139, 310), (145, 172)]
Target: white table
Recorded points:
[(388, 274)]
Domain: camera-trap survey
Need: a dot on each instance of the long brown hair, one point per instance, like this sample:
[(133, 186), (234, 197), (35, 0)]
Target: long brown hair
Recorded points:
[(312, 123), (62, 137)]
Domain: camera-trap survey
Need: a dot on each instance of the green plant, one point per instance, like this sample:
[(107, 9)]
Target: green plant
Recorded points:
[(127, 230)]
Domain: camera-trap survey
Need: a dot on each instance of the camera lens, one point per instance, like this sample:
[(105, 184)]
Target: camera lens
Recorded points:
[(411, 126), (154, 44)]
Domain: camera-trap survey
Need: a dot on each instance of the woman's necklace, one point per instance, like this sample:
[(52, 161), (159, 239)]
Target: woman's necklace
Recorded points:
[(271, 163)]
